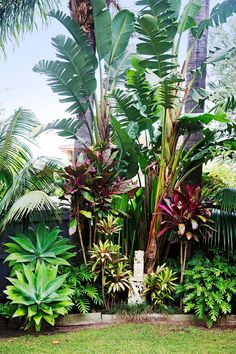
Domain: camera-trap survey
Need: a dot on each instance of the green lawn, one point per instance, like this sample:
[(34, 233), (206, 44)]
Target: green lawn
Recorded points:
[(128, 338)]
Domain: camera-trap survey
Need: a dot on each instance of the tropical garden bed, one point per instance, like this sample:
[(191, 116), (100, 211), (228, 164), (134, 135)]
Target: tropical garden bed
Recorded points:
[(135, 180)]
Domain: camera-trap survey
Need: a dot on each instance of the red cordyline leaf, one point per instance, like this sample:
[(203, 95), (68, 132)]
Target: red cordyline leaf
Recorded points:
[(160, 233), (184, 212)]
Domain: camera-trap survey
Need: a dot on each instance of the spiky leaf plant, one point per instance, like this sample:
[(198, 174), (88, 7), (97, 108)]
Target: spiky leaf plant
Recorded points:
[(160, 285), (40, 295), (41, 246)]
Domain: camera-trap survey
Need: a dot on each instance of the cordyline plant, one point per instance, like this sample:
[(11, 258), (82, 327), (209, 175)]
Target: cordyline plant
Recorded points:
[(108, 264), (185, 213), (90, 185)]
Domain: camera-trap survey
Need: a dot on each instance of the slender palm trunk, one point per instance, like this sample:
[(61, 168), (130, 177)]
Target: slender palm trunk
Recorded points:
[(198, 56)]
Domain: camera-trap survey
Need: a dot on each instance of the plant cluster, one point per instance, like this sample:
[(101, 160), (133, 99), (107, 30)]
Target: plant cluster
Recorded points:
[(209, 288), (112, 268), (37, 289), (85, 293), (184, 213), (90, 185), (7, 310), (159, 286)]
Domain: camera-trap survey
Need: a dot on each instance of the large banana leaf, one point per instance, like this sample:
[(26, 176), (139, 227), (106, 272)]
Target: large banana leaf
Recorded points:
[(103, 27), (127, 147), (156, 40), (122, 28), (66, 127), (77, 33), (187, 19)]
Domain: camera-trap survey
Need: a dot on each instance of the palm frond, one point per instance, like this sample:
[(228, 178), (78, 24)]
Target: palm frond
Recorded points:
[(224, 234), (20, 16), (14, 142), (29, 202), (229, 200), (37, 174)]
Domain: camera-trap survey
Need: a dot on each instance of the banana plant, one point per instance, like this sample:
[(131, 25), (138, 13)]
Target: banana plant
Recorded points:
[(160, 26), (73, 75)]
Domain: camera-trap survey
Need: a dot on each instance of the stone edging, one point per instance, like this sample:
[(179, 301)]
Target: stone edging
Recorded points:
[(99, 318)]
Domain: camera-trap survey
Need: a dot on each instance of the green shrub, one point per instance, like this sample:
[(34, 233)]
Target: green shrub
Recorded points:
[(42, 245), (159, 286), (7, 310), (124, 308), (209, 288), (80, 279), (39, 295)]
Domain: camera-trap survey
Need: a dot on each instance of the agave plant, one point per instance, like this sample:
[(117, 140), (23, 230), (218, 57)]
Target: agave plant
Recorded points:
[(159, 285), (40, 295), (184, 213), (41, 246)]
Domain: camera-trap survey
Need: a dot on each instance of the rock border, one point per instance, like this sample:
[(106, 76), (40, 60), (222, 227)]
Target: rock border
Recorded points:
[(75, 320)]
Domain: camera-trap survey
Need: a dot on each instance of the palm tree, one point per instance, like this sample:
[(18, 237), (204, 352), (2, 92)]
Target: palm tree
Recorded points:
[(18, 17), (24, 181), (198, 56)]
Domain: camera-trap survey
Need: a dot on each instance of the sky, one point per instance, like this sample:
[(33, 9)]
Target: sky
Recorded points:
[(21, 87)]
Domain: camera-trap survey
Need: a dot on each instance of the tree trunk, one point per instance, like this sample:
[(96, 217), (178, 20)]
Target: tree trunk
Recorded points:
[(81, 11), (198, 56)]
